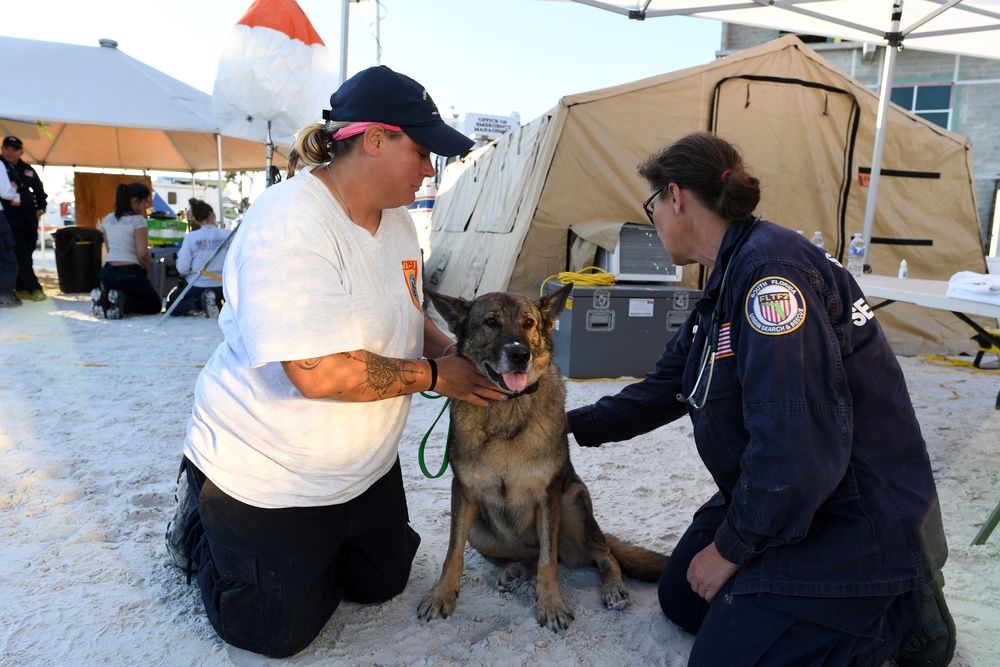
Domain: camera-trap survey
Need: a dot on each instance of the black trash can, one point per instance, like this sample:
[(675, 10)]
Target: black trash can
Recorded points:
[(78, 257)]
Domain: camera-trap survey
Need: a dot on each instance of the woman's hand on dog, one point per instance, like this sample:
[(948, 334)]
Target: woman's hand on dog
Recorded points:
[(459, 378)]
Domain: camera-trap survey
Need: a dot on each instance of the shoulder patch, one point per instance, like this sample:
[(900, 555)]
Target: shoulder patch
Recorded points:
[(410, 270), (775, 306)]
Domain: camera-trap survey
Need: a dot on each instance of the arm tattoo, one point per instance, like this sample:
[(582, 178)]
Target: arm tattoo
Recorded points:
[(305, 364), (381, 373)]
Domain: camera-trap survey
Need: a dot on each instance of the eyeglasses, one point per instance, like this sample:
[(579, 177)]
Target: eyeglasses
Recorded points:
[(646, 204)]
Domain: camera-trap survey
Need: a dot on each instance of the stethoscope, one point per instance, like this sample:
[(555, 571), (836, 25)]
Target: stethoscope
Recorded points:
[(710, 346)]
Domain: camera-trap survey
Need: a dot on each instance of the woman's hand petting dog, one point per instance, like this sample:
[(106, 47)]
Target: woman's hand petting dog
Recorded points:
[(459, 378)]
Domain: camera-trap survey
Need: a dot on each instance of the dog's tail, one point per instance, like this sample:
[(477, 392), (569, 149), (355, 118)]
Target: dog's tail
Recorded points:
[(637, 562)]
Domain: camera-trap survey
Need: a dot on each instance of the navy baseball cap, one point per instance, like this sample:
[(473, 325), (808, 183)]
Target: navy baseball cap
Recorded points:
[(13, 142), (379, 95)]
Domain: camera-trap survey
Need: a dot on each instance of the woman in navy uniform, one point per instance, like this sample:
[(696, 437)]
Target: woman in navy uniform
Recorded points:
[(824, 542)]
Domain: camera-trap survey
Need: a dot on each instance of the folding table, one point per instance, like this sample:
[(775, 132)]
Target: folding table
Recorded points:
[(934, 294)]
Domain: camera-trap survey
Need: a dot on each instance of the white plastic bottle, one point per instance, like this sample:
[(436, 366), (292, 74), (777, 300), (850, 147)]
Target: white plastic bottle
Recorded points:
[(817, 240), (903, 271), (856, 255)]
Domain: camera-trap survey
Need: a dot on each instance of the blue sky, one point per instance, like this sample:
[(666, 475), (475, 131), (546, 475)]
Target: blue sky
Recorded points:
[(484, 56)]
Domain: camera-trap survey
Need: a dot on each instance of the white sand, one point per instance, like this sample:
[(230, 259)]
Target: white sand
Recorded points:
[(93, 420)]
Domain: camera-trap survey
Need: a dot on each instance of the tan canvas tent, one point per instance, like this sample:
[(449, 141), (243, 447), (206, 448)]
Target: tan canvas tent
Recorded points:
[(509, 215)]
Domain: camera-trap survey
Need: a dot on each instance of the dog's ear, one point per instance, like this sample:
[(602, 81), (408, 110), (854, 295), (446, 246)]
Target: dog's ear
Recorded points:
[(454, 310), (552, 305)]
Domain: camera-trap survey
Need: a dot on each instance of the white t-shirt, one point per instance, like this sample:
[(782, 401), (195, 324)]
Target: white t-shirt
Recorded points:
[(7, 190), (120, 233), (197, 248), (302, 281)]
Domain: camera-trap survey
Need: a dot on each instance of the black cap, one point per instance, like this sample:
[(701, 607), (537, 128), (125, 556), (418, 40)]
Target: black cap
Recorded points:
[(13, 142), (379, 95)]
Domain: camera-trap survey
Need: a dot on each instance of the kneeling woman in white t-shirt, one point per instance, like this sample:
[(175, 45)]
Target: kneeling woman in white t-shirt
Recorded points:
[(125, 284), (291, 459)]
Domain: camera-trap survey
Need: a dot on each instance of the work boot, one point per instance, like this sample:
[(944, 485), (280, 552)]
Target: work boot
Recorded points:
[(98, 303), (177, 527), (934, 643), (209, 305), (116, 305), (28, 295), (10, 301)]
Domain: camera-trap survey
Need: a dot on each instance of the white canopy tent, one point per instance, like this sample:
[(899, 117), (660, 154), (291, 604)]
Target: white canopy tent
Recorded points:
[(82, 106), (965, 27)]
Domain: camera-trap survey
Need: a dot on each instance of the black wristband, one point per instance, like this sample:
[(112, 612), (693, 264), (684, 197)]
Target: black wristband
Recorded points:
[(434, 374)]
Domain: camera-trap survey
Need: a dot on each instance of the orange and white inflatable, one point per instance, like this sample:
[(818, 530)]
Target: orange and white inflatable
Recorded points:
[(274, 67)]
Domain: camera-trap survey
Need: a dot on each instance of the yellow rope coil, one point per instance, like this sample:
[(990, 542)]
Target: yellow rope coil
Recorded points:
[(953, 362), (598, 277)]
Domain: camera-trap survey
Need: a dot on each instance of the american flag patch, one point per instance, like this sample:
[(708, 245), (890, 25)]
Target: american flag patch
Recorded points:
[(724, 347)]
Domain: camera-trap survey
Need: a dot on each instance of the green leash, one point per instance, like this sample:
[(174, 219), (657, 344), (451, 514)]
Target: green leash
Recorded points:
[(420, 457)]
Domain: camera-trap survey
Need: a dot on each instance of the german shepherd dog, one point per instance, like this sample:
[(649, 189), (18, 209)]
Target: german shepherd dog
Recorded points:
[(514, 493)]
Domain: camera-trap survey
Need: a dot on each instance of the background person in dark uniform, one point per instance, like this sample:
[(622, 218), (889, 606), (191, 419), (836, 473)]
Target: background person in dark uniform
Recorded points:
[(23, 212)]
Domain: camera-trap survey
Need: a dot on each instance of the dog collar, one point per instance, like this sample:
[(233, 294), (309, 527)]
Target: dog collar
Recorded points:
[(530, 389)]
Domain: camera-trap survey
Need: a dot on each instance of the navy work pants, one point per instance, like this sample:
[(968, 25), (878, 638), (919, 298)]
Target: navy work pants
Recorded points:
[(192, 300), (271, 578), (8, 258), (131, 280), (764, 629), (25, 243)]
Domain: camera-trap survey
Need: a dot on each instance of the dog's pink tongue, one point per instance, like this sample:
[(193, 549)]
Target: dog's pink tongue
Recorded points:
[(515, 381)]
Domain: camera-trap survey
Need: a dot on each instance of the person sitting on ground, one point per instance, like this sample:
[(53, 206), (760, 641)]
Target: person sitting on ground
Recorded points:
[(200, 263), (125, 277)]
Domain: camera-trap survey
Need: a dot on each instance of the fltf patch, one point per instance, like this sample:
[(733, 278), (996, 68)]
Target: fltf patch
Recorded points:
[(775, 306), (410, 268)]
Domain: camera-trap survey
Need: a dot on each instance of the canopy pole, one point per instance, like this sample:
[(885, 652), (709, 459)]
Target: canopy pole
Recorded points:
[(895, 40), (378, 34), (344, 22), (269, 154), (218, 155)]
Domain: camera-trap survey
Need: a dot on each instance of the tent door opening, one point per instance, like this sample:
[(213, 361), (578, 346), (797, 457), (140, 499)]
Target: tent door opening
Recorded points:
[(762, 115)]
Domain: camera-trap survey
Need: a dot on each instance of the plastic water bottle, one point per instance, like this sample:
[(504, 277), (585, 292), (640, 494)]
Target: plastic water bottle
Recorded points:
[(856, 256), (903, 271), (817, 240)]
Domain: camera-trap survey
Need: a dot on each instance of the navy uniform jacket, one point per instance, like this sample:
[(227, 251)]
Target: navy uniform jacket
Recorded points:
[(25, 180), (808, 429)]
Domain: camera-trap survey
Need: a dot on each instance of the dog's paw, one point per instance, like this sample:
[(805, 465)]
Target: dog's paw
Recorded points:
[(555, 616), (615, 595), (512, 578), (437, 605)]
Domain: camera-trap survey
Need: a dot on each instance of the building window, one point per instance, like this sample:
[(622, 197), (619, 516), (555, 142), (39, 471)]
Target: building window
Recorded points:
[(809, 39), (931, 101), (172, 198)]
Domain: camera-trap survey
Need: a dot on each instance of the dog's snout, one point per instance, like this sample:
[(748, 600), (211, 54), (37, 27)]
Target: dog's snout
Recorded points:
[(518, 353)]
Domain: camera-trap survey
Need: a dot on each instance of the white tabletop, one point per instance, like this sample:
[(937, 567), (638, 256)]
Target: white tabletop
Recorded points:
[(929, 293)]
